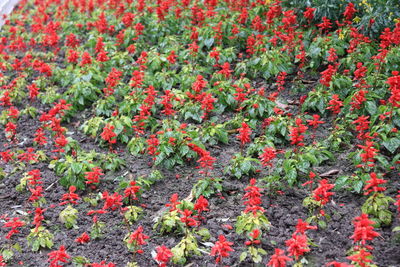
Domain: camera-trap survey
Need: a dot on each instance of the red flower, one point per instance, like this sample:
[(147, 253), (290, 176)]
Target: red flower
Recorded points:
[(132, 191), (373, 184), (86, 59), (221, 248), (364, 231), (173, 202), (321, 193), (93, 177), (297, 245), (253, 198), (326, 75), (137, 238), (108, 134), (163, 255), (13, 224), (269, 153), (309, 13), (279, 259), (112, 202), (349, 12), (71, 197), (296, 132), (362, 257), (201, 204), (335, 104), (244, 133), (369, 152), (315, 121), (57, 256), (186, 219), (83, 238), (302, 227)]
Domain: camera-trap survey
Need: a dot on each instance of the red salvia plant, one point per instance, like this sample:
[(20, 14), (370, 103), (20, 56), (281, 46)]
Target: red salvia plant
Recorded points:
[(253, 198), (269, 153), (14, 224), (58, 256), (296, 133), (335, 104), (71, 197), (112, 202), (244, 135), (83, 238), (173, 202), (93, 177), (108, 135), (321, 193), (369, 153), (163, 255), (374, 184), (136, 240), (221, 249), (279, 259)]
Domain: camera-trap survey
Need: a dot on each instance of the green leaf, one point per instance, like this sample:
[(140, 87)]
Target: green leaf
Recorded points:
[(370, 106), (76, 167), (392, 144), (243, 256)]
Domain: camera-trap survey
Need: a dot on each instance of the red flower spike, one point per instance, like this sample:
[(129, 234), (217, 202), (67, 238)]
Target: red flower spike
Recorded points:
[(221, 249)]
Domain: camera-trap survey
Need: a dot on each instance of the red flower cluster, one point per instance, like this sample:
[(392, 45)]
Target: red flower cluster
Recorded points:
[(253, 198), (321, 193), (221, 249)]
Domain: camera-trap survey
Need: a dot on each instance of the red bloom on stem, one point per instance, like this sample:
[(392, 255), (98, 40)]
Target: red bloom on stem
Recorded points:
[(373, 184), (297, 245), (335, 104), (86, 59), (201, 205), (296, 132), (364, 231), (58, 256), (173, 202), (253, 198), (279, 259), (83, 238), (269, 153), (326, 75), (321, 193), (138, 239), (349, 12), (244, 133), (361, 257), (325, 25), (108, 134), (71, 197), (394, 88), (369, 152), (315, 121), (206, 161), (93, 177), (226, 70), (112, 202), (163, 255), (309, 13), (132, 191), (303, 226), (221, 248), (13, 224), (187, 219)]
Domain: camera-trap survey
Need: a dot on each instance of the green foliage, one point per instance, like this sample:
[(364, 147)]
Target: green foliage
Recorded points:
[(40, 238), (69, 217)]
